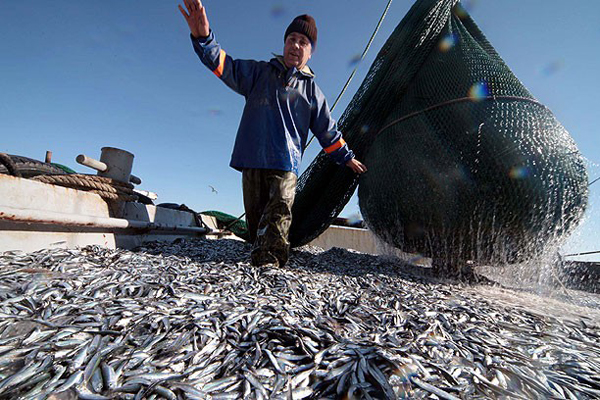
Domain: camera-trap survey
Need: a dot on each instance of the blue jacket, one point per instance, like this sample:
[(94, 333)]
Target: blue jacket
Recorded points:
[(281, 106)]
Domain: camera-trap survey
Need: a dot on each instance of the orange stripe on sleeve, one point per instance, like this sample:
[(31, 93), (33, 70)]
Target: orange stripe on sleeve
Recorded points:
[(219, 70), (335, 146)]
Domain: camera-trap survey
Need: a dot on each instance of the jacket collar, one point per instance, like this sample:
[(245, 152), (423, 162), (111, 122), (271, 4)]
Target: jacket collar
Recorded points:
[(278, 61)]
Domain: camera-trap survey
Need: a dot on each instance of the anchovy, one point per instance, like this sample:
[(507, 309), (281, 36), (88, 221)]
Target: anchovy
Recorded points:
[(430, 388), (193, 319), (73, 380)]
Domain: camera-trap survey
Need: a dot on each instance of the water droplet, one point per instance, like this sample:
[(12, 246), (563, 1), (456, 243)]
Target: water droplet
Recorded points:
[(479, 91), (277, 11), (469, 5), (448, 42), (354, 219), (520, 172), (354, 61), (329, 135), (552, 68)]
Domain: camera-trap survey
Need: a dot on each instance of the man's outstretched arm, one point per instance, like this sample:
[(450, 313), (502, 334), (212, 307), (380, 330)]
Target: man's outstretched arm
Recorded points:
[(196, 18), (237, 74)]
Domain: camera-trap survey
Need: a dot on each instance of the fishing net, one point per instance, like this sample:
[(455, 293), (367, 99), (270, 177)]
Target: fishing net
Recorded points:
[(464, 163), (233, 224)]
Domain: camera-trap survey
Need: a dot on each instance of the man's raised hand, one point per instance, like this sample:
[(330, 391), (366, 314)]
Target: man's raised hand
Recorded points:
[(195, 18)]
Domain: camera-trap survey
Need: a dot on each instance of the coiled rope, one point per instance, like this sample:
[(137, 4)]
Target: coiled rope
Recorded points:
[(106, 188), (9, 164)]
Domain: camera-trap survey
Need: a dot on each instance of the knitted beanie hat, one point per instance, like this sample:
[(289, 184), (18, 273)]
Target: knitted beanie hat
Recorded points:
[(304, 24)]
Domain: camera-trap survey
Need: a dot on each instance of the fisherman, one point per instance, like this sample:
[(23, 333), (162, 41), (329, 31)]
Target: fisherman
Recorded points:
[(282, 103)]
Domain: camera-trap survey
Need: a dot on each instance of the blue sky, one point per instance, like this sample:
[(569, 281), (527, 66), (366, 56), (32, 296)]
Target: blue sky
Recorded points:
[(79, 75)]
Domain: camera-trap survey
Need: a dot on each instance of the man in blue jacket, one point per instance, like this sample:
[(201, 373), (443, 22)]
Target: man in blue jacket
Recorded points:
[(282, 104)]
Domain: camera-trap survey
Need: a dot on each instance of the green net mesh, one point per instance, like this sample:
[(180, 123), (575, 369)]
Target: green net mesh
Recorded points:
[(233, 224), (463, 162)]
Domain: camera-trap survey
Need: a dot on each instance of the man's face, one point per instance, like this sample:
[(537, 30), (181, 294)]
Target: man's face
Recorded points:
[(297, 50)]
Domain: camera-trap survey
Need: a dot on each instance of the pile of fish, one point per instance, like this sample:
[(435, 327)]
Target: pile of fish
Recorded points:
[(193, 319)]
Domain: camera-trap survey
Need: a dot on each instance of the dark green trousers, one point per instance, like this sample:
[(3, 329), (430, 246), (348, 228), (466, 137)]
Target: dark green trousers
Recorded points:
[(268, 199)]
